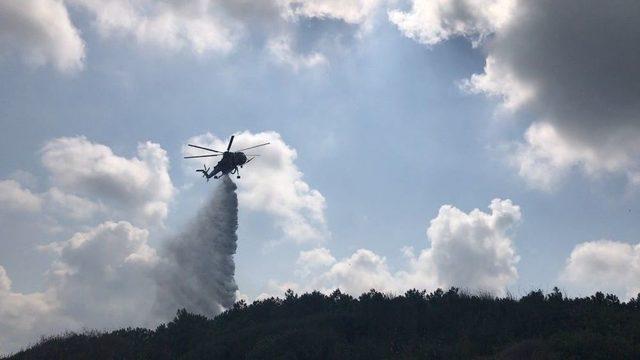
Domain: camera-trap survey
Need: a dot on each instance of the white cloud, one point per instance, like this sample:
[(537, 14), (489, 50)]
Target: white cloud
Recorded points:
[(276, 289), (280, 49), (280, 26), (140, 185), (358, 273), (274, 184), (469, 250), (41, 31), (174, 25), (433, 21), (546, 157), (362, 271), (499, 81), (349, 11), (71, 206), (313, 259), (101, 279), (25, 317), (218, 25), (604, 265), (13, 197), (475, 250)]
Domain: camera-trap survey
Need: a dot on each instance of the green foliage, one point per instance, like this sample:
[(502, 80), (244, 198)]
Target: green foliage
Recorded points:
[(438, 325)]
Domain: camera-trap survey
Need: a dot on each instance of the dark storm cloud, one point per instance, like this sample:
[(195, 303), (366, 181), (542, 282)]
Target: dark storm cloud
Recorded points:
[(582, 59)]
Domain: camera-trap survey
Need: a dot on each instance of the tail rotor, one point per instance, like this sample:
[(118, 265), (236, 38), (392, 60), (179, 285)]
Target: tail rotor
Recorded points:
[(204, 171)]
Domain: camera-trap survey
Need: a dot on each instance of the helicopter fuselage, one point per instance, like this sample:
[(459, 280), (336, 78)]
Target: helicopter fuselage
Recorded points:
[(228, 164)]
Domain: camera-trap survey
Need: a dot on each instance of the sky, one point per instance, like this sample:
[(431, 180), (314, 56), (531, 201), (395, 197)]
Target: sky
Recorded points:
[(489, 145)]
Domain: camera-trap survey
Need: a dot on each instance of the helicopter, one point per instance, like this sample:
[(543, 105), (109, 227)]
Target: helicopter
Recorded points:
[(229, 163)]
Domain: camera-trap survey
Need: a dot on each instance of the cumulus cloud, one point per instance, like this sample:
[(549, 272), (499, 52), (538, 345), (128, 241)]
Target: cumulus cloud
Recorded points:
[(546, 157), (499, 81), (349, 11), (103, 277), (362, 271), (469, 250), (573, 63), (88, 185), (313, 259), (140, 186), (604, 265), (273, 183), (25, 317), (13, 197), (433, 21), (475, 250), (109, 277), (282, 53), (41, 32), (71, 206), (174, 25), (218, 26)]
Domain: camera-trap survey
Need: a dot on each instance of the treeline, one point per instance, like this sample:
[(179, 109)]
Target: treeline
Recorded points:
[(437, 325)]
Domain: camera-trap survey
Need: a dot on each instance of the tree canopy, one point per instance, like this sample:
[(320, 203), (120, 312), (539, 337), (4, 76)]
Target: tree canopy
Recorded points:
[(437, 325)]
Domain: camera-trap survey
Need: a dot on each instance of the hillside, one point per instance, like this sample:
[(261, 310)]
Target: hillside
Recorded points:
[(438, 325)]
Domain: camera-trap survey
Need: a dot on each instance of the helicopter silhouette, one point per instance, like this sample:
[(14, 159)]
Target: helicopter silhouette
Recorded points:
[(229, 163)]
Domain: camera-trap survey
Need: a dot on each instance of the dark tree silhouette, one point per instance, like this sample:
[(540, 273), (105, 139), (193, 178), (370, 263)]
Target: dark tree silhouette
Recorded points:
[(438, 325)]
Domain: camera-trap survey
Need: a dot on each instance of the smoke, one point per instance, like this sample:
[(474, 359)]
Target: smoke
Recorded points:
[(197, 272)]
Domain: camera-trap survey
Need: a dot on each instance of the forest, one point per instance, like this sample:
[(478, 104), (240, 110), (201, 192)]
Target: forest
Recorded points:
[(441, 324)]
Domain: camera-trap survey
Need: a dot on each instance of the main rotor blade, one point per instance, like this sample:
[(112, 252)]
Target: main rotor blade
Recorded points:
[(230, 142), (201, 156), (204, 148), (253, 147)]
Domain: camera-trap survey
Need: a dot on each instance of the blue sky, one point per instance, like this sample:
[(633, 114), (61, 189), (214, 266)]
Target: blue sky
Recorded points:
[(389, 124)]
